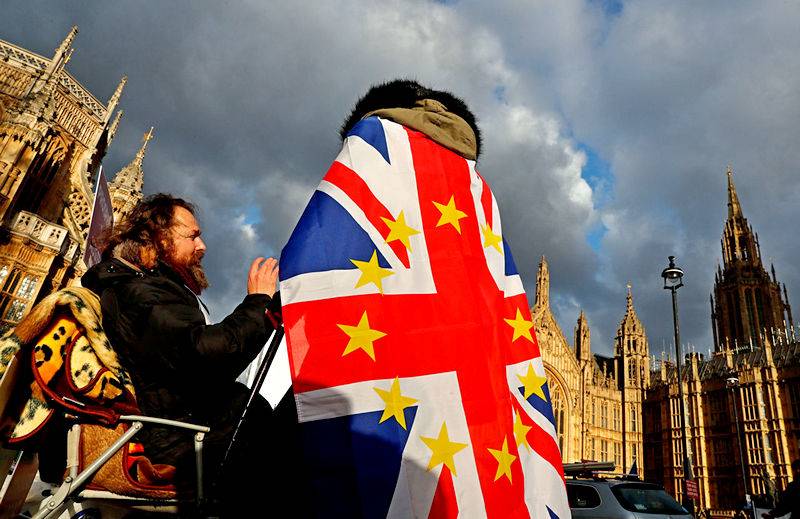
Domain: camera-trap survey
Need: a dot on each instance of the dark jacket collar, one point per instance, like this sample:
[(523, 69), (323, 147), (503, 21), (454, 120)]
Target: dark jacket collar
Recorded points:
[(114, 271)]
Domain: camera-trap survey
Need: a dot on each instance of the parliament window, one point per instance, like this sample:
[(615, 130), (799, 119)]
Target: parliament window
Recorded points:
[(604, 415), (18, 293), (27, 287), (559, 413), (749, 403), (3, 275), (15, 310)]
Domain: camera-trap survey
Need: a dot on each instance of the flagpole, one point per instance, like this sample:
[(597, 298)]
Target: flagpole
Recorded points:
[(261, 374)]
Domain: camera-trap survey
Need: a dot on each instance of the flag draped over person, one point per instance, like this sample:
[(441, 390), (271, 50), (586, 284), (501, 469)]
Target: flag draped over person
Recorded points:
[(419, 384)]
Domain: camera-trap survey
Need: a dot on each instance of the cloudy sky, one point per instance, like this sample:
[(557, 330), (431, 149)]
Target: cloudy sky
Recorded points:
[(608, 125)]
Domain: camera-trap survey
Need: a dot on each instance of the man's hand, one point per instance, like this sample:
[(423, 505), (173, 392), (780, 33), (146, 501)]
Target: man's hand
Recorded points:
[(263, 276)]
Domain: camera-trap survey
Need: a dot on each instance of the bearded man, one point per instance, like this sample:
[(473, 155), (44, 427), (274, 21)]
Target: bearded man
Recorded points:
[(183, 368)]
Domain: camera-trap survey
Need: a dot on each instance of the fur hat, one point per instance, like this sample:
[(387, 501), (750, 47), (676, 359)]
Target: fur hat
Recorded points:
[(404, 93)]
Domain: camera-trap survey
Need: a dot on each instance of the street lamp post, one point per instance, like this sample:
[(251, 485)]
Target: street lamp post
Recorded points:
[(733, 384), (673, 280)]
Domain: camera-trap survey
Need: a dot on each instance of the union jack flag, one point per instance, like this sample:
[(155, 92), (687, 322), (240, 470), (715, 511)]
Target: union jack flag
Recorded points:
[(417, 376)]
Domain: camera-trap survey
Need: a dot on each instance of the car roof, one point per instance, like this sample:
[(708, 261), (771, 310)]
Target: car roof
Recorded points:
[(599, 481)]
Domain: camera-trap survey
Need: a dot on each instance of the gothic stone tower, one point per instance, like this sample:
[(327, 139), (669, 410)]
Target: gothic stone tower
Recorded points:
[(747, 303), (53, 135), (631, 352)]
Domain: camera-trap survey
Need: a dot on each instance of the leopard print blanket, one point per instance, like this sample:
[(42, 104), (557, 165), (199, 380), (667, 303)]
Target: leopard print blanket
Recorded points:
[(72, 365)]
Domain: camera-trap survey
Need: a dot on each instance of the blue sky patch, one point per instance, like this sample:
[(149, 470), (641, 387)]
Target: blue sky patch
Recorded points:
[(597, 173), (499, 93), (252, 214), (595, 236), (609, 7)]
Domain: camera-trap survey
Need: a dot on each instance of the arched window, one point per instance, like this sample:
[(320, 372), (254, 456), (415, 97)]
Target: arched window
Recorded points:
[(3, 275), (558, 400)]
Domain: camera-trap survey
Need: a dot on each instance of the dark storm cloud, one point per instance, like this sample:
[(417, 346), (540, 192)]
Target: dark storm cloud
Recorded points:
[(247, 98)]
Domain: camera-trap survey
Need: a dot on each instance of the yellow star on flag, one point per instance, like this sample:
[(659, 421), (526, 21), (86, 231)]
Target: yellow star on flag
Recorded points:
[(395, 402), (533, 383), (443, 449), (491, 239), (450, 214), (504, 460), (399, 230), (522, 328), (361, 336), (371, 272), (521, 432)]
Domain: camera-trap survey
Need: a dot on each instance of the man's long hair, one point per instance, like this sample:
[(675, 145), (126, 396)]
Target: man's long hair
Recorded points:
[(141, 237)]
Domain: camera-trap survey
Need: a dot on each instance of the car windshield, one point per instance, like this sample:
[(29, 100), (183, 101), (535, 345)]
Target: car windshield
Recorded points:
[(646, 499)]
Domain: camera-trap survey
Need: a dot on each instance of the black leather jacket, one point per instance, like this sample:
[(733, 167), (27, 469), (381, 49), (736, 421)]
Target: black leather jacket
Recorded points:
[(182, 368)]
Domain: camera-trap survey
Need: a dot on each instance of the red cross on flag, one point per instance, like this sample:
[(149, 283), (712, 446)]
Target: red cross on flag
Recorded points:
[(417, 375)]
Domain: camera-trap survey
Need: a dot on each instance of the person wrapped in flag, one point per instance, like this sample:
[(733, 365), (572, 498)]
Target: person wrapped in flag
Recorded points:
[(418, 381)]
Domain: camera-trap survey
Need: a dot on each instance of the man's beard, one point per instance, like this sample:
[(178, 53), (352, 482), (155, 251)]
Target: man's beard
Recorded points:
[(192, 272)]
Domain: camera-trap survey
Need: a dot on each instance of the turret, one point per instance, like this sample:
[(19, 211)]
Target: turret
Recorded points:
[(112, 103), (583, 342), (62, 55), (112, 130), (542, 285), (126, 189), (631, 346)]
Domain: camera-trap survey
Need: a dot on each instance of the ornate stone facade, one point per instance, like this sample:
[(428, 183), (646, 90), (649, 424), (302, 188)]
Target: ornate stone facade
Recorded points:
[(597, 400), (53, 136), (752, 344)]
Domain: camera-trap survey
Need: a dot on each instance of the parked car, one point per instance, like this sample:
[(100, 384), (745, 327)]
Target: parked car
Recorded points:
[(599, 498)]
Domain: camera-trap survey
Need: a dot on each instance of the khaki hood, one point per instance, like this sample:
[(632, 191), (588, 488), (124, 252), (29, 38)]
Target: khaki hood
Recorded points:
[(432, 118)]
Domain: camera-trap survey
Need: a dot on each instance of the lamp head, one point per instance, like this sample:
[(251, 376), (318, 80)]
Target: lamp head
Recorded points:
[(673, 275)]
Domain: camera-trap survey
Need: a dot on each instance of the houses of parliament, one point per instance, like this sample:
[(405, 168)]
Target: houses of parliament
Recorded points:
[(625, 408), (54, 134)]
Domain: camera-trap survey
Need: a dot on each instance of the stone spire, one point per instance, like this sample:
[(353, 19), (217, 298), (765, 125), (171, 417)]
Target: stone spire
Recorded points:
[(112, 103), (112, 130), (543, 284), (739, 243), (734, 207), (126, 189), (63, 53), (631, 349), (583, 341), (630, 326), (60, 58), (39, 105), (629, 302)]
